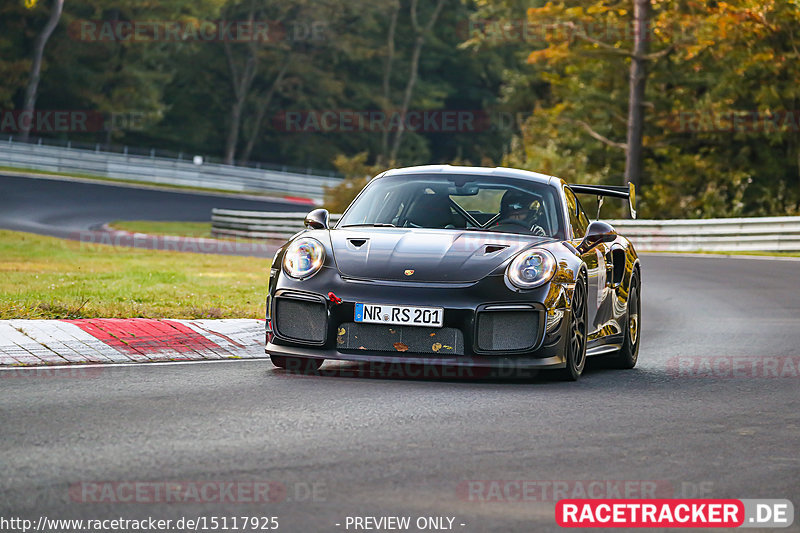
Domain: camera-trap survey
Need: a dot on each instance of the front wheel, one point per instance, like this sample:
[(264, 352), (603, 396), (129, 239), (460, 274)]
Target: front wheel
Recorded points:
[(576, 341), (296, 364)]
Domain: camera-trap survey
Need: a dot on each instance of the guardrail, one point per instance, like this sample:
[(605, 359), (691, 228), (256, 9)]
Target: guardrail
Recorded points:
[(767, 234), (257, 224), (162, 170), (763, 234)]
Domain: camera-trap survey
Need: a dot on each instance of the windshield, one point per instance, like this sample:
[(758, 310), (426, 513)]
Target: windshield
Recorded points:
[(484, 203)]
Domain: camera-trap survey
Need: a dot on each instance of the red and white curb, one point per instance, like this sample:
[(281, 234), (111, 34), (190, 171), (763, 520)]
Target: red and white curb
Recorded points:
[(128, 340)]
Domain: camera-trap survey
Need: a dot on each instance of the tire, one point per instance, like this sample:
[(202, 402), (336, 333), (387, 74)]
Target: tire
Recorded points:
[(575, 349), (296, 364), (629, 353)]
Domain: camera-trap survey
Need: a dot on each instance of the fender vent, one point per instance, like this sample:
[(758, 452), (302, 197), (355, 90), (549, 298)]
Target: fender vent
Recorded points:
[(618, 260)]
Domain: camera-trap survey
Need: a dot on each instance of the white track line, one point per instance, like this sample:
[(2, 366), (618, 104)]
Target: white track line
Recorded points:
[(132, 365), (720, 256)]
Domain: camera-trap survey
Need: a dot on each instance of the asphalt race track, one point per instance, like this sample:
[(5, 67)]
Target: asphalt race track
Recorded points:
[(373, 445), (65, 208)]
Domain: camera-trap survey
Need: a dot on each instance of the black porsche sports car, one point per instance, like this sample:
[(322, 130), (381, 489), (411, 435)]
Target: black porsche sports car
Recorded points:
[(483, 267)]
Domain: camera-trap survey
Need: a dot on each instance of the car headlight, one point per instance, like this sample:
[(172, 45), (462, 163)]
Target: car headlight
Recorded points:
[(303, 258), (531, 269)]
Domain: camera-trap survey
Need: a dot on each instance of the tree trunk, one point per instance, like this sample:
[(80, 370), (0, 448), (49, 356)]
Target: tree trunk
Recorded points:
[(387, 77), (421, 34), (412, 80), (263, 105), (241, 89), (36, 68), (638, 78), (233, 131)]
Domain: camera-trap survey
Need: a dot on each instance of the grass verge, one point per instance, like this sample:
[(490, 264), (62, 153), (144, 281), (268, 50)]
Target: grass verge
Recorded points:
[(45, 277), (180, 229)]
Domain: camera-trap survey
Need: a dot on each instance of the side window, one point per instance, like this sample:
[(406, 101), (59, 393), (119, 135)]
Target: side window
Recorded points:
[(584, 220), (577, 217)]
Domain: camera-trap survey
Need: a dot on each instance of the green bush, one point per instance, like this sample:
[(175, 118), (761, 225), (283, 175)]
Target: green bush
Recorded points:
[(357, 174)]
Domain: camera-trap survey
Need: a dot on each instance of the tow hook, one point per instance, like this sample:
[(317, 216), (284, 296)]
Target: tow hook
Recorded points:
[(334, 299)]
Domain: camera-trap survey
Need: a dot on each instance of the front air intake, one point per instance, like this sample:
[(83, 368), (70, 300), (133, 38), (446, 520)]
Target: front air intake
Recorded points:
[(301, 320), (507, 331), (400, 340)]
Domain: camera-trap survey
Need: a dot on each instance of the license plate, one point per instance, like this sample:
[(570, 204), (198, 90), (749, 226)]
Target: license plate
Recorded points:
[(400, 315)]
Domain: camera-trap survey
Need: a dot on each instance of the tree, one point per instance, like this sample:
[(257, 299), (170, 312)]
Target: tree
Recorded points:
[(638, 80), (259, 74), (241, 78), (720, 138), (420, 32), (262, 105), (36, 65), (15, 63), (388, 65)]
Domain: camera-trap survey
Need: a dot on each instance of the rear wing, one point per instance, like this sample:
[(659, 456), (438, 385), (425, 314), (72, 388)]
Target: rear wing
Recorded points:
[(616, 191)]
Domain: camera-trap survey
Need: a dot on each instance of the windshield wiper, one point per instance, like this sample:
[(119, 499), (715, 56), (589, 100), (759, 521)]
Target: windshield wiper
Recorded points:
[(373, 225)]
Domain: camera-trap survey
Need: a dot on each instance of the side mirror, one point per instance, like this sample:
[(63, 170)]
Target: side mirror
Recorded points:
[(597, 232), (317, 219)]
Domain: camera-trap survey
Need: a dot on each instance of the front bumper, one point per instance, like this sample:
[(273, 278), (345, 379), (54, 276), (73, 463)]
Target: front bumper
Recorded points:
[(461, 303), (502, 362)]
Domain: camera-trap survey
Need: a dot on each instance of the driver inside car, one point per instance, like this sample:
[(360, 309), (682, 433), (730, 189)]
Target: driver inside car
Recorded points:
[(520, 209)]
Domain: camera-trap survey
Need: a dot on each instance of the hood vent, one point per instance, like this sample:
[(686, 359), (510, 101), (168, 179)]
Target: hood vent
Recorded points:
[(494, 248), (357, 243)]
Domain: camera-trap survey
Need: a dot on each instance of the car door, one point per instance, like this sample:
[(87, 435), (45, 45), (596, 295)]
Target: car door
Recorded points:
[(595, 258)]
